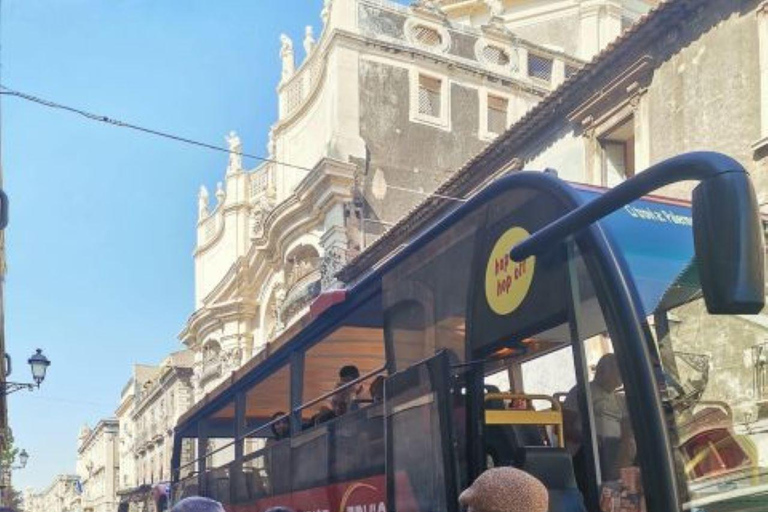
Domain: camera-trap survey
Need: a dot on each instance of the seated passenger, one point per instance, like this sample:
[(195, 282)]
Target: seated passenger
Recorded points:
[(323, 415), (349, 373), (614, 435), (280, 429)]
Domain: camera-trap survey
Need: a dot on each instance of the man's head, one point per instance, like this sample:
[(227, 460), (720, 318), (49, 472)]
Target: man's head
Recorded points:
[(198, 504), (607, 374), (505, 489), (349, 373)]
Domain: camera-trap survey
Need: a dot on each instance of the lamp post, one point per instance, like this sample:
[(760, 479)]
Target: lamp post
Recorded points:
[(38, 364)]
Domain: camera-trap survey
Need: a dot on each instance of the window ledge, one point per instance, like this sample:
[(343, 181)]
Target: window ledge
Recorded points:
[(760, 145)]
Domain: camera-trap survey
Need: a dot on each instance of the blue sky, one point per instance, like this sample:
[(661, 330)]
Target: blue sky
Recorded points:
[(103, 219)]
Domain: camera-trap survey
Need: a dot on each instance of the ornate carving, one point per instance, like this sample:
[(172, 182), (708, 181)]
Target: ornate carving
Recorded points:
[(332, 262), (232, 359), (429, 8), (286, 54)]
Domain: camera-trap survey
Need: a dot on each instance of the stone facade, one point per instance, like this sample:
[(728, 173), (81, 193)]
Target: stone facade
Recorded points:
[(98, 466), (387, 102), (61, 496), (152, 402)]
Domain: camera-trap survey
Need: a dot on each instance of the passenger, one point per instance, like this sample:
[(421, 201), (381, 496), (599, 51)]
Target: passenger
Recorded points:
[(505, 489), (198, 504), (614, 435), (349, 373), (376, 389), (281, 429), (323, 415)]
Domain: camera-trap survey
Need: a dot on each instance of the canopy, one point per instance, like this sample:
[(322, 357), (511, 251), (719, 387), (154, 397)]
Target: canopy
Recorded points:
[(655, 237)]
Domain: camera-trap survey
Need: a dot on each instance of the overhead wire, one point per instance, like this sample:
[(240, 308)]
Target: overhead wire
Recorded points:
[(6, 91)]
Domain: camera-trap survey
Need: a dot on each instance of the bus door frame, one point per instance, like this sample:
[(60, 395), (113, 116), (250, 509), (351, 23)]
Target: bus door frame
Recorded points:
[(584, 393)]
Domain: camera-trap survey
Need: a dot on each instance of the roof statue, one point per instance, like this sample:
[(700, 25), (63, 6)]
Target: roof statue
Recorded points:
[(202, 203), (286, 53), (309, 40), (326, 14), (235, 153), (220, 194), (496, 7)]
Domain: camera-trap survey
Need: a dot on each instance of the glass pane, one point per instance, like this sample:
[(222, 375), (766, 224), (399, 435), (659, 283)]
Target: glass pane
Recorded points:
[(716, 376)]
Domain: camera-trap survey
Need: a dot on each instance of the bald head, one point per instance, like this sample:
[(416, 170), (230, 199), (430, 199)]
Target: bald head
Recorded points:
[(505, 489), (197, 504)]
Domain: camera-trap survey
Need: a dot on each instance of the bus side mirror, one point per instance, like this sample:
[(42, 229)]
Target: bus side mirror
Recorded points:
[(729, 240), (3, 210)]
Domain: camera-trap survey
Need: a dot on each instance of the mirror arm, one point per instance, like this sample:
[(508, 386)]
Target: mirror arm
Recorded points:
[(697, 166)]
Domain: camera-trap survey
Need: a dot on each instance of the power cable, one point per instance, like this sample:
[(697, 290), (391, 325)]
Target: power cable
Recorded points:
[(121, 124), (6, 91)]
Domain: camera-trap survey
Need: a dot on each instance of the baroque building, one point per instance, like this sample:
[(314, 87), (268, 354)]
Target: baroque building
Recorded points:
[(60, 496), (152, 401), (387, 101), (98, 466)]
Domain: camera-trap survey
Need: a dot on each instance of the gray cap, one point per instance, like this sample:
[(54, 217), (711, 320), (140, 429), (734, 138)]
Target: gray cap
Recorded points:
[(197, 504)]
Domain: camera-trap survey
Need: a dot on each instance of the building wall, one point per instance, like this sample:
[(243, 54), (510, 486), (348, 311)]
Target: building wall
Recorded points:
[(60, 496), (97, 467)]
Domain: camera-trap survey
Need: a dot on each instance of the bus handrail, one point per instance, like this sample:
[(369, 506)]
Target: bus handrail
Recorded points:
[(553, 417), (518, 396), (329, 394), (274, 421)]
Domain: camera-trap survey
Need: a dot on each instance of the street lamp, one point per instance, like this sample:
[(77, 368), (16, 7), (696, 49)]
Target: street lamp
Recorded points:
[(23, 459), (39, 365)]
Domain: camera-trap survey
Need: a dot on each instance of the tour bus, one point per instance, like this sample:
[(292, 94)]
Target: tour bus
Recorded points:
[(600, 340)]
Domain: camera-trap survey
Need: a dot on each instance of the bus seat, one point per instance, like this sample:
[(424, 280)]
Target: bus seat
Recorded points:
[(554, 468)]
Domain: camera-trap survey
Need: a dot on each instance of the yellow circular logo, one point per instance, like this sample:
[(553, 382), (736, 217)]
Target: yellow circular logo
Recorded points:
[(507, 281)]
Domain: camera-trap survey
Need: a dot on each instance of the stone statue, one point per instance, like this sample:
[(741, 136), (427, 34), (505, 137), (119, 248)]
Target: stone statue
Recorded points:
[(202, 203), (496, 7), (220, 194), (309, 40), (235, 153), (286, 53), (326, 14), (271, 143)]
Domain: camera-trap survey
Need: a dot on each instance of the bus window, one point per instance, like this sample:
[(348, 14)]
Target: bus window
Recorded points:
[(357, 346), (425, 297), (715, 372)]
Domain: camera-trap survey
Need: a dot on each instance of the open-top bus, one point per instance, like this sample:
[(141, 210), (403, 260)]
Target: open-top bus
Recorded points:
[(487, 329)]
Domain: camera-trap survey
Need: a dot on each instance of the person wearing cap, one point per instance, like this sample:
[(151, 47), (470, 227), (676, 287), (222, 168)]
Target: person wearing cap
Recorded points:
[(505, 489), (198, 504)]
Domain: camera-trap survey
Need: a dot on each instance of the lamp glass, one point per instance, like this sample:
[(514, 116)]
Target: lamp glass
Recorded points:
[(39, 364), (23, 458)]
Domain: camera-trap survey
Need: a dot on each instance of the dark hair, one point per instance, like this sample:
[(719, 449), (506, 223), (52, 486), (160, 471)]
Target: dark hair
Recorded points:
[(349, 372), (280, 509)]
